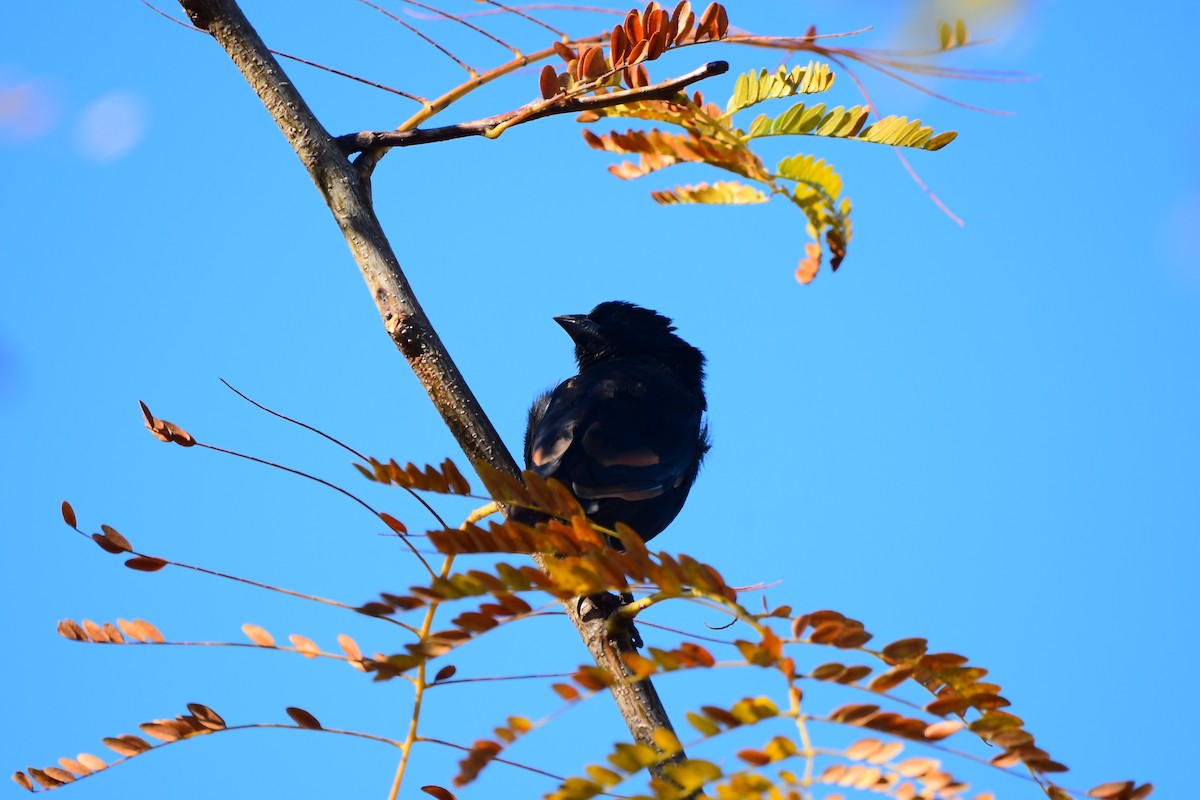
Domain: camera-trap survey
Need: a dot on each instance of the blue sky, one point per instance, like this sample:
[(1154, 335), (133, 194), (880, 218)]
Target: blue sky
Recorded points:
[(985, 435)]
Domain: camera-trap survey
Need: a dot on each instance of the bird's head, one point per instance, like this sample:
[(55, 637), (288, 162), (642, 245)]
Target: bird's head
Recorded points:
[(617, 329)]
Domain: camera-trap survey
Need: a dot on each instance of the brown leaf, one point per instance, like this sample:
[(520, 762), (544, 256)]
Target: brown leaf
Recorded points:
[(905, 649), (854, 713), (69, 629), (591, 63), (890, 679), (682, 20), (638, 52), (438, 791), (445, 673), (375, 609), (755, 758), (44, 780), (633, 27), (618, 46), (146, 563), (257, 635), (206, 717), (68, 515), (116, 539), (951, 704), (457, 483), (127, 745), (166, 431), (303, 718), (164, 731), (548, 85), (23, 781), (853, 674), (827, 672), (826, 632), (567, 55), (940, 661), (1012, 737), (707, 27)]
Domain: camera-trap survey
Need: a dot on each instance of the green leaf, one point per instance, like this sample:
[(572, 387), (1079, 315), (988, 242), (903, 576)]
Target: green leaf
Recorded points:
[(900, 132), (800, 120), (753, 88)]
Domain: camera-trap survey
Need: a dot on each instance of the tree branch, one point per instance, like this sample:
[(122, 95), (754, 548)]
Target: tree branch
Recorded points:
[(571, 104), (403, 318)]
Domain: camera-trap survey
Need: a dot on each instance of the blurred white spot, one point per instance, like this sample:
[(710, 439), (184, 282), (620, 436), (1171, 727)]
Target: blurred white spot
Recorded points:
[(111, 126)]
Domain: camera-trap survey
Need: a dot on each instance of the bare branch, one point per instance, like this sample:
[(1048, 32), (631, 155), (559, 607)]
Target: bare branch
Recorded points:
[(349, 202), (569, 104)]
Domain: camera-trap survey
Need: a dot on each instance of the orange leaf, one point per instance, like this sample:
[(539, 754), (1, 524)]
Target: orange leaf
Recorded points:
[(393, 523), (257, 635), (350, 647)]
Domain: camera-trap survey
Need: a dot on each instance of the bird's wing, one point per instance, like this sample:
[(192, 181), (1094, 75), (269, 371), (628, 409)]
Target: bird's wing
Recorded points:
[(626, 431)]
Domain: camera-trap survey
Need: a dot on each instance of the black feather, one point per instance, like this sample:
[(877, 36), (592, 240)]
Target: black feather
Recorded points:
[(627, 434)]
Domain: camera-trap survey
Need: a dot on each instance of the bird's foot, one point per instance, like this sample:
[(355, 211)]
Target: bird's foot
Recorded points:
[(603, 606)]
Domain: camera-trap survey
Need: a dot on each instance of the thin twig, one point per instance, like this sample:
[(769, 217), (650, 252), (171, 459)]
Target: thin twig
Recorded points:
[(321, 481), (432, 511), (369, 140), (346, 193), (286, 418)]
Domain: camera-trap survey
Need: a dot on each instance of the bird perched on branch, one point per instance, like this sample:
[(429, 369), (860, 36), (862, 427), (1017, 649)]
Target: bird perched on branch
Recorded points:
[(627, 434)]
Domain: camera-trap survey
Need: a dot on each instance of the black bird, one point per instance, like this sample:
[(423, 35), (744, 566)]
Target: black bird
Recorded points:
[(627, 434)]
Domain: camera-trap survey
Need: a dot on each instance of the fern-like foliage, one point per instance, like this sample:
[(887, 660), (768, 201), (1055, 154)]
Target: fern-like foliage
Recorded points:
[(751, 89), (710, 137), (900, 754)]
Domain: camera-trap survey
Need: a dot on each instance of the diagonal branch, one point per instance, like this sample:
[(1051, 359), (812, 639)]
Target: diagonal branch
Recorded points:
[(405, 321), (571, 104)]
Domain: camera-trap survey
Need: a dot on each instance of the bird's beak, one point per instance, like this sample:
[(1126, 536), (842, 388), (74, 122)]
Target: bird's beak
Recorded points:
[(578, 326)]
